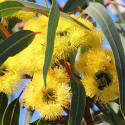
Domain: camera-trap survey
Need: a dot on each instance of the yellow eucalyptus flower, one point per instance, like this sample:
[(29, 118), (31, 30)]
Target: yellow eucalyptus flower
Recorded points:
[(48, 102), (95, 59), (9, 80), (100, 76), (69, 36), (28, 61), (22, 15), (103, 86)]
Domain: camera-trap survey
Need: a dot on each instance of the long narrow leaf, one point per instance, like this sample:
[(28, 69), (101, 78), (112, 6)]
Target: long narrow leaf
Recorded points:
[(11, 114), (3, 104), (15, 43), (78, 101), (9, 7), (52, 25), (100, 14)]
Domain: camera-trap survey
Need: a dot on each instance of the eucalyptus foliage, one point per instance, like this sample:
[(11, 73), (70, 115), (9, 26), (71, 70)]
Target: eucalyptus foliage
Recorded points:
[(15, 40)]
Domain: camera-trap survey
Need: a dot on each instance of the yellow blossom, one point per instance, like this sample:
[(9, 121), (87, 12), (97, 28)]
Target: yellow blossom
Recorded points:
[(69, 36), (103, 87), (100, 76), (9, 80), (48, 102), (94, 59), (28, 60), (22, 15)]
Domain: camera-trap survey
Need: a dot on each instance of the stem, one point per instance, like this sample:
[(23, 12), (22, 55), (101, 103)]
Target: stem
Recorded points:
[(87, 17), (46, 3), (87, 115), (106, 4), (62, 119), (21, 93), (74, 11), (3, 21), (4, 30), (115, 3), (67, 66), (27, 8)]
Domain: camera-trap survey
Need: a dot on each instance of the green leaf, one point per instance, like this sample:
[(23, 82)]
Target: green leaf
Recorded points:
[(32, 1), (15, 43), (78, 101), (9, 7), (100, 118), (73, 5), (73, 59), (28, 116), (110, 115), (105, 110), (11, 114), (118, 119), (3, 104), (121, 33), (47, 10), (52, 25), (99, 1), (100, 14)]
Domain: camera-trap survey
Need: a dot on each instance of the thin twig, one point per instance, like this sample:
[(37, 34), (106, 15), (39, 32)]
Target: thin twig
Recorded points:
[(27, 8), (106, 4), (62, 119), (4, 30), (115, 3), (46, 3)]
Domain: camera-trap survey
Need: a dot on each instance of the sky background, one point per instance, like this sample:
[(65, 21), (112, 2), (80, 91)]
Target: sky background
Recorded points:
[(15, 95)]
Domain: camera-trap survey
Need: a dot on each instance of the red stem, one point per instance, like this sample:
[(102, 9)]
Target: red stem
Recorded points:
[(4, 30), (68, 67), (27, 8), (62, 119), (87, 17), (115, 3), (106, 4), (74, 11)]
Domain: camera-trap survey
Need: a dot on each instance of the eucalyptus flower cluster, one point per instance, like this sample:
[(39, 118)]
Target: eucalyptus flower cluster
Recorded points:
[(96, 66)]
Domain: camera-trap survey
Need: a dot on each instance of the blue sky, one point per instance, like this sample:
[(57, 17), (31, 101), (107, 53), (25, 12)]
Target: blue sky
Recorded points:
[(36, 114)]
